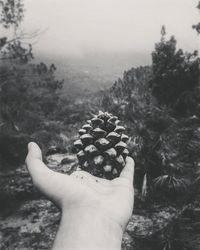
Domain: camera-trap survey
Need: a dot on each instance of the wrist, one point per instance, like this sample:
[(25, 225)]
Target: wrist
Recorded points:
[(87, 228)]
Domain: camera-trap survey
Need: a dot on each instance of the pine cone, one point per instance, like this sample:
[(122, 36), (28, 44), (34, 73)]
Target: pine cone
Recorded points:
[(102, 146)]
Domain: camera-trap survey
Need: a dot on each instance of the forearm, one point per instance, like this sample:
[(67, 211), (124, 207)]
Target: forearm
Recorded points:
[(87, 230)]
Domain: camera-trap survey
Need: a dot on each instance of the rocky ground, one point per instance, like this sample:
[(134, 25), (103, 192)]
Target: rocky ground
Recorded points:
[(29, 221)]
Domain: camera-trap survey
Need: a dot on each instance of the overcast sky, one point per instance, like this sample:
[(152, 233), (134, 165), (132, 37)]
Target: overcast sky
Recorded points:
[(78, 26)]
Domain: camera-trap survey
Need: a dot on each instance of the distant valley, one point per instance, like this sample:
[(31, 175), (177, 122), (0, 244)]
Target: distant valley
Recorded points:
[(92, 71)]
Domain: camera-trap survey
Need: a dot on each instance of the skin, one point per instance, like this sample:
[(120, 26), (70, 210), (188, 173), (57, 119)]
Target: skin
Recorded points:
[(95, 211)]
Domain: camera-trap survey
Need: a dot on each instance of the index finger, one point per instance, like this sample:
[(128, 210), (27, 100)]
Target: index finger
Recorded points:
[(128, 170)]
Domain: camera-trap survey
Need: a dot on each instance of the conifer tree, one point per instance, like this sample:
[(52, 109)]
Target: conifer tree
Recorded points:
[(175, 72)]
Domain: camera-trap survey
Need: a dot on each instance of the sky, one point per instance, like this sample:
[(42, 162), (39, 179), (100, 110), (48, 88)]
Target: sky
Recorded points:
[(75, 27)]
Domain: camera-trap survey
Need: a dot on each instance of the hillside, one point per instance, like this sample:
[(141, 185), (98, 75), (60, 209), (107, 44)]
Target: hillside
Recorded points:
[(91, 72)]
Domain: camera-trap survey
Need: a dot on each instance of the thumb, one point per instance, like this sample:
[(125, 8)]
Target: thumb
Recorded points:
[(46, 180), (33, 161), (34, 150)]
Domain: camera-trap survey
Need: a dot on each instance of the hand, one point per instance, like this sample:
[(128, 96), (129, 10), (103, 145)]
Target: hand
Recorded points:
[(81, 194)]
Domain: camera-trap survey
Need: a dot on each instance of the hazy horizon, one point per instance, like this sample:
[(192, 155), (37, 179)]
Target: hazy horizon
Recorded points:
[(76, 28), (92, 42)]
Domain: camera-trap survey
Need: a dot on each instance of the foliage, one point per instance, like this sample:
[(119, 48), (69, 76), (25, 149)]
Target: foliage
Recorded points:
[(73, 112), (11, 12), (170, 184), (175, 73), (197, 26), (13, 49), (29, 93), (160, 107), (130, 95), (130, 99)]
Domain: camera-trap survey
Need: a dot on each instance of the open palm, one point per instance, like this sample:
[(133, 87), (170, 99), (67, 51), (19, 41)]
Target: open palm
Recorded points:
[(82, 190)]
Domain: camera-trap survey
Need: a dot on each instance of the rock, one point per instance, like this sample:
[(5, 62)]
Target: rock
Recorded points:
[(69, 159), (146, 229), (139, 226), (32, 226), (146, 226), (64, 163), (128, 242), (55, 150)]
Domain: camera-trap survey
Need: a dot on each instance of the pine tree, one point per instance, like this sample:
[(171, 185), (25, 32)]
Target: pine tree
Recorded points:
[(175, 72)]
